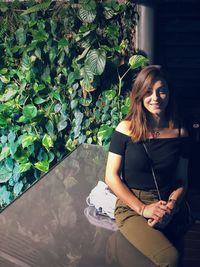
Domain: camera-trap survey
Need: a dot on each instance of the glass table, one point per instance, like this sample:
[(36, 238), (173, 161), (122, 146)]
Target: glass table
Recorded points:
[(47, 226)]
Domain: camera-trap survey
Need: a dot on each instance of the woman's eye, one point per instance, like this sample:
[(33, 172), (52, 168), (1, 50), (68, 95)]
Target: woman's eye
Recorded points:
[(149, 92), (162, 91)]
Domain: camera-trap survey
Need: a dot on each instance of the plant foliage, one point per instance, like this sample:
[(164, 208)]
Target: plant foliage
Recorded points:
[(65, 68)]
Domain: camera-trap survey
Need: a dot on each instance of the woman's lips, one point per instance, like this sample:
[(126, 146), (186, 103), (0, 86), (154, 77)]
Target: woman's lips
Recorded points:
[(156, 105)]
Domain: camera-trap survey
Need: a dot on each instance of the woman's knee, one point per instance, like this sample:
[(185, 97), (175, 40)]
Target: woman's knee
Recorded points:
[(168, 257)]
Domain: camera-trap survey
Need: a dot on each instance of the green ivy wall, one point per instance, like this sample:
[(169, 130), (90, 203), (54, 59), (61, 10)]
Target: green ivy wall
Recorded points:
[(66, 68)]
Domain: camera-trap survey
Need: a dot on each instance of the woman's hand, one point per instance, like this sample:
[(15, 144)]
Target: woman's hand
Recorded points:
[(162, 222), (156, 211)]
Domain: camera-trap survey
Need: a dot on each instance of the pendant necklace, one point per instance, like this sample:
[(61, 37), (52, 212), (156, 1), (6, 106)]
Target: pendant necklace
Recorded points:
[(156, 134)]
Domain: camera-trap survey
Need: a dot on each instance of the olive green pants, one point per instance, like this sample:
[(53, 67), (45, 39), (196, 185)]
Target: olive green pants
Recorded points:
[(155, 244)]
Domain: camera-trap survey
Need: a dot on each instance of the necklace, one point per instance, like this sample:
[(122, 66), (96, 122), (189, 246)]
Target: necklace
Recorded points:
[(155, 133)]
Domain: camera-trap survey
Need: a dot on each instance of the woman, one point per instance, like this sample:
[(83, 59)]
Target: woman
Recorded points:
[(147, 210)]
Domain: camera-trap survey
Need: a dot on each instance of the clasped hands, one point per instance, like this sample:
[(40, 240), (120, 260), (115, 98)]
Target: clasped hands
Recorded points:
[(160, 213)]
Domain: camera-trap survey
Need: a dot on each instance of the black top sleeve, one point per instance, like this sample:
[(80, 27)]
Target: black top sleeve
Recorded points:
[(118, 143)]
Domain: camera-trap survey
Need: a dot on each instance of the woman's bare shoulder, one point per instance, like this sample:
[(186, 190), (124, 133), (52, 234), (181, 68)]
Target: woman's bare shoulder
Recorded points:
[(124, 127)]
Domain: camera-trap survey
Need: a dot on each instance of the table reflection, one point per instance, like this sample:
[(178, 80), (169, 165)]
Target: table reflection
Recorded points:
[(47, 226)]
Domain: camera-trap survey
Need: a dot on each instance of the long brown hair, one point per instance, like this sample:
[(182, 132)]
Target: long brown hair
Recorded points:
[(137, 115)]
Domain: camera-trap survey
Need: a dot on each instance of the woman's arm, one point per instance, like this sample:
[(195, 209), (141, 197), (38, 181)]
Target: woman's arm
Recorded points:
[(113, 180), (178, 193), (181, 180)]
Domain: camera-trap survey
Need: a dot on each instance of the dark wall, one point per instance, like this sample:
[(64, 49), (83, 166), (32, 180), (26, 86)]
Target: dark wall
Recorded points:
[(178, 49)]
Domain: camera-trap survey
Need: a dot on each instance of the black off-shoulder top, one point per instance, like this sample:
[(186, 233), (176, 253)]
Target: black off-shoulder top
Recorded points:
[(164, 153)]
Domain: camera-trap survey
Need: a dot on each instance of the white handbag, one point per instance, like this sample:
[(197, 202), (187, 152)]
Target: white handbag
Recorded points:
[(102, 199)]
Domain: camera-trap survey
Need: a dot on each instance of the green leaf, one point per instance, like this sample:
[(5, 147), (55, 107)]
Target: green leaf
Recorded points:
[(3, 71), (104, 133), (29, 111), (9, 163), (88, 77), (4, 139), (51, 156), (22, 119), (47, 142), (28, 140), (4, 79), (5, 196), (21, 36), (26, 62), (5, 152), (18, 188), (13, 147), (53, 24), (38, 87), (11, 137), (96, 61), (16, 173), (110, 94), (3, 120), (57, 108), (10, 92), (39, 100), (63, 43), (44, 5), (38, 52), (21, 156), (87, 16), (108, 12), (62, 125), (5, 174), (46, 75), (52, 54), (42, 166), (70, 145), (138, 61), (49, 127), (3, 7), (24, 167)]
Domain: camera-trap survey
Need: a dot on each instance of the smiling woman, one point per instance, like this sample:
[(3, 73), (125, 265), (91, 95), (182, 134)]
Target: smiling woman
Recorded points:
[(147, 169)]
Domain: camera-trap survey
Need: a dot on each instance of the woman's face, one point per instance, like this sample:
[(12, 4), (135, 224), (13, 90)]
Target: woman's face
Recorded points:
[(156, 98)]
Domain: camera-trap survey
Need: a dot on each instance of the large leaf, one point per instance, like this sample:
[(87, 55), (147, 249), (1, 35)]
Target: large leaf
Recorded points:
[(44, 5), (5, 195), (42, 166), (5, 152), (9, 94), (137, 61), (24, 167), (28, 140), (96, 61), (47, 141), (87, 16), (63, 43), (21, 36), (3, 120), (18, 188), (104, 133), (86, 83), (62, 125), (29, 111), (26, 62), (5, 174)]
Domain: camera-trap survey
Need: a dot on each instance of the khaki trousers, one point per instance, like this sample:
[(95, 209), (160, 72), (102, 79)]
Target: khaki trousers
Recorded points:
[(155, 244)]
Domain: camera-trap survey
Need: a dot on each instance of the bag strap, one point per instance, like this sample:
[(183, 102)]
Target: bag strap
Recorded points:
[(152, 170)]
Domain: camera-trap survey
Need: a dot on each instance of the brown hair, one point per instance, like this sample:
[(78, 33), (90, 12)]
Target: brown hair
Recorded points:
[(137, 115)]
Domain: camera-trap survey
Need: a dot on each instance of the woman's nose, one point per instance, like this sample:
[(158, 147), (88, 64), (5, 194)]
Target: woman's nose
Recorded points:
[(155, 95)]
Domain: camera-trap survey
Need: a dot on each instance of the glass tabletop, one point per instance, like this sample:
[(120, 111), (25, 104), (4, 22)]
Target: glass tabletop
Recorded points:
[(50, 225)]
